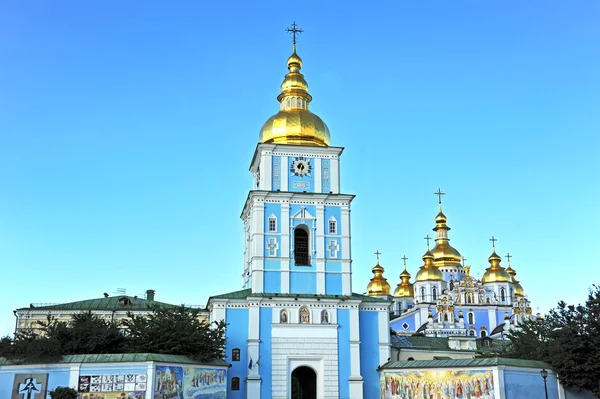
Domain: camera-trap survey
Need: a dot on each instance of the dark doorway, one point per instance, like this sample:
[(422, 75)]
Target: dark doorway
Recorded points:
[(301, 256), (304, 383)]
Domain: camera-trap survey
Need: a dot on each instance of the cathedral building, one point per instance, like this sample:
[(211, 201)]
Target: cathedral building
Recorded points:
[(297, 329)]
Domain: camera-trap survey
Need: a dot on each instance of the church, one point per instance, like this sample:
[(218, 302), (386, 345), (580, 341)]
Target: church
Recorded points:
[(298, 326)]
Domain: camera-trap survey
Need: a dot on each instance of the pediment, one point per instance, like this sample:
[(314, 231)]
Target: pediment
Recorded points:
[(303, 214)]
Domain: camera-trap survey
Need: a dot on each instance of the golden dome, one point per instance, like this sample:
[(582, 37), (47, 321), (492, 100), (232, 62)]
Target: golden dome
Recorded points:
[(378, 286), (495, 273), (443, 253), (405, 288), (518, 289), (429, 272), (294, 123)]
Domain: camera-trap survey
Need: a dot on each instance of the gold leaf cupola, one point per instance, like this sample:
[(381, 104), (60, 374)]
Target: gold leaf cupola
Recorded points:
[(518, 289), (294, 123), (378, 286), (444, 255), (429, 272), (405, 289), (495, 273)]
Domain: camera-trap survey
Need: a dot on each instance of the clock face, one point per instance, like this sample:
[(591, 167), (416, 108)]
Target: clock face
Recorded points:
[(301, 167)]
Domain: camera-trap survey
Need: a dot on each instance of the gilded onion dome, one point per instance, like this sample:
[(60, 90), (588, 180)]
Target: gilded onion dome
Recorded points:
[(428, 272), (378, 286), (495, 273), (444, 254), (518, 289), (405, 288), (294, 123)]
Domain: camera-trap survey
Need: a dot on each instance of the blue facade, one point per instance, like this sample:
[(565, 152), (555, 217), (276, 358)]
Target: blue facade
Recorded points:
[(528, 384), (326, 175), (272, 281), (333, 284), (266, 365), (58, 376), (301, 183), (303, 283), (343, 316), (276, 174), (237, 337), (369, 353)]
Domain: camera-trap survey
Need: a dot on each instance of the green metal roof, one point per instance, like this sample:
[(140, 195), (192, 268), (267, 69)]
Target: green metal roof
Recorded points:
[(130, 358), (107, 303), (478, 362), (419, 342), (243, 294)]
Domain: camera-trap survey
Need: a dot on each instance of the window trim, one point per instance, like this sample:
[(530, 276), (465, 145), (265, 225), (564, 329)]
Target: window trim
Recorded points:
[(273, 219)]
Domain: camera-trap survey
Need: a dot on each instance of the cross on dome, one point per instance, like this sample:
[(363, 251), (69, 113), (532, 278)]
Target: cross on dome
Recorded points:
[(439, 193), (294, 31), (493, 240)]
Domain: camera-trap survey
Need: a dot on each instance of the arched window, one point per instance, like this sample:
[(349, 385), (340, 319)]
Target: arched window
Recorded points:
[(445, 316), (283, 317), (235, 384), (304, 316), (434, 291), (235, 355), (272, 224), (332, 225), (301, 247), (502, 294), (410, 359), (324, 317), (471, 333), (423, 294), (471, 318), (483, 333), (451, 285)]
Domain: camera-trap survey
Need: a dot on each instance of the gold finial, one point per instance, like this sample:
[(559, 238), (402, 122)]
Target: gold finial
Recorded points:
[(377, 253), (508, 256), (493, 240), (427, 238), (404, 258), (464, 260), (294, 31)]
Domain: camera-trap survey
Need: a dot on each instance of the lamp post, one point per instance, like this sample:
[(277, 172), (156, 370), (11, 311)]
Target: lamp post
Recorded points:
[(544, 375)]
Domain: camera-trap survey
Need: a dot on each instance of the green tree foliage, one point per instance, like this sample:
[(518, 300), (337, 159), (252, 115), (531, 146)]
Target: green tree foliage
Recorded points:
[(63, 393), (568, 339), (176, 331)]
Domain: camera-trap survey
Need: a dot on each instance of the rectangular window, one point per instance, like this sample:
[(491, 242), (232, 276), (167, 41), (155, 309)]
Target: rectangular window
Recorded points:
[(332, 227), (235, 355), (235, 384), (272, 225)]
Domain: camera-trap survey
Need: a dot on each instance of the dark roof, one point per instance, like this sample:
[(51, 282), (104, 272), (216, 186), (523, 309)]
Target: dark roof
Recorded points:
[(477, 362), (107, 303), (419, 342), (130, 357), (243, 294)]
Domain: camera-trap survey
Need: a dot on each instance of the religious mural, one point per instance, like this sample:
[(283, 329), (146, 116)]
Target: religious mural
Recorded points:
[(450, 384), (113, 386), (190, 383), (29, 386)]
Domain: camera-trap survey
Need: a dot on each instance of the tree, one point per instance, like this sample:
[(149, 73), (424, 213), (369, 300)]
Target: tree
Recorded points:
[(29, 347), (63, 393), (568, 339), (176, 331)]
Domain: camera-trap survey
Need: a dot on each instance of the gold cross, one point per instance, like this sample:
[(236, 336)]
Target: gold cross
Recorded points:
[(377, 253), (493, 240), (404, 258), (294, 31), (439, 193)]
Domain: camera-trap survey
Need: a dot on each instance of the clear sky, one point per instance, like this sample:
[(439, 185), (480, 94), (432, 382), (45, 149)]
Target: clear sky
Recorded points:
[(127, 130)]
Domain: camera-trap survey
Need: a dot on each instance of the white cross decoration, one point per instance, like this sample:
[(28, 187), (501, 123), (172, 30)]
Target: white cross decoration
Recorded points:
[(333, 248), (273, 246), (30, 388)]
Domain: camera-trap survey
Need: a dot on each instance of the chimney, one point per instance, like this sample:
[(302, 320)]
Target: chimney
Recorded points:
[(150, 295)]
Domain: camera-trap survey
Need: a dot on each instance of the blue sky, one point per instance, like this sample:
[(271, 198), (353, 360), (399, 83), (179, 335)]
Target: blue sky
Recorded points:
[(127, 129)]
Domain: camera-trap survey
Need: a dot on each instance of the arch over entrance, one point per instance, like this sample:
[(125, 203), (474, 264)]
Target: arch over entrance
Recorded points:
[(304, 383)]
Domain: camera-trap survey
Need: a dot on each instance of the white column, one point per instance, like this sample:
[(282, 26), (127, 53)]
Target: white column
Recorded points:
[(149, 379), (74, 375), (335, 175), (266, 165), (317, 176), (285, 173), (254, 380), (356, 380), (492, 319), (320, 236), (285, 246), (258, 245), (346, 251)]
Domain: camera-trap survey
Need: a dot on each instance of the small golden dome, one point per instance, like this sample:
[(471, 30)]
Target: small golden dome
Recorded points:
[(444, 254), (405, 288), (518, 289), (429, 272), (378, 286), (294, 123), (495, 273)]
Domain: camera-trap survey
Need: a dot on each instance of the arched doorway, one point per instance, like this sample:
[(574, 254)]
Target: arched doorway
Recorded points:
[(304, 383)]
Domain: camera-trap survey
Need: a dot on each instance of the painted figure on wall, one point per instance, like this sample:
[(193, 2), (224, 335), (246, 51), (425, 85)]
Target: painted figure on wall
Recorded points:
[(304, 316), (324, 317), (190, 383), (477, 384), (283, 318)]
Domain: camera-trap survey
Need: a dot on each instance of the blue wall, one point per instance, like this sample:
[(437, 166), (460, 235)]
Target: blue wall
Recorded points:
[(237, 336), (265, 350), (528, 384), (396, 324), (333, 284), (325, 175), (369, 353), (303, 283), (272, 209), (272, 282), (343, 317), (57, 377)]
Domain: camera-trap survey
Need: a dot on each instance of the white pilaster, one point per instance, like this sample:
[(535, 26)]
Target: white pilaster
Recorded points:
[(266, 165), (254, 381), (285, 244), (356, 381), (492, 319), (258, 245), (317, 176), (346, 251), (383, 325)]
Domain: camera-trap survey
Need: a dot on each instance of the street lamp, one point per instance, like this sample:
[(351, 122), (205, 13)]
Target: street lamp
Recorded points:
[(544, 375)]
